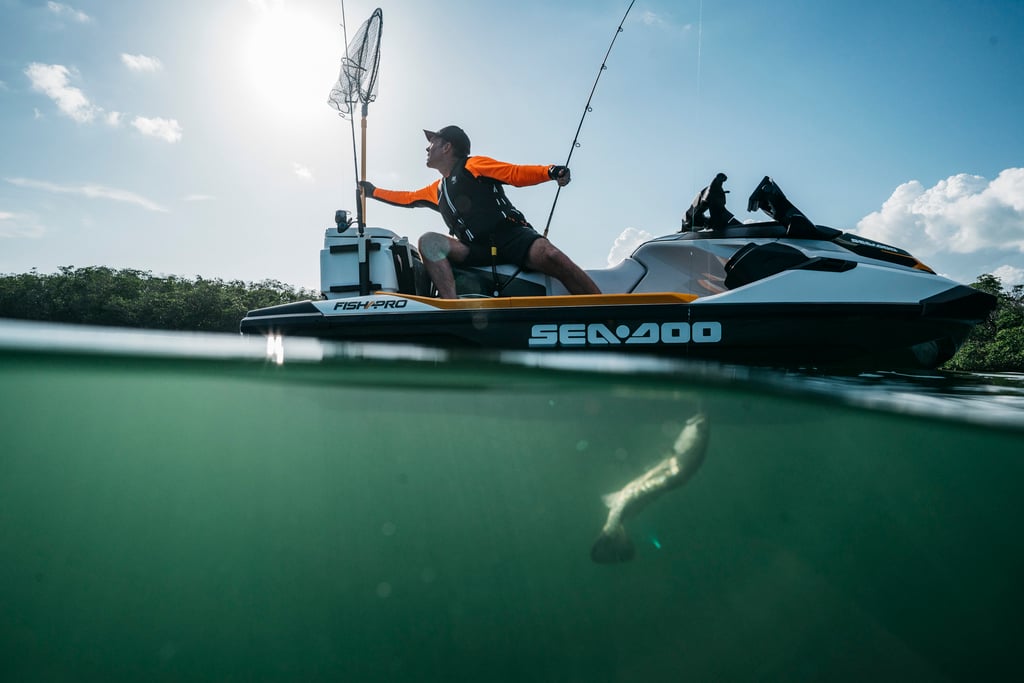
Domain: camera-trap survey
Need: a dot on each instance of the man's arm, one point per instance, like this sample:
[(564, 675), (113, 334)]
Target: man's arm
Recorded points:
[(511, 174), (425, 197)]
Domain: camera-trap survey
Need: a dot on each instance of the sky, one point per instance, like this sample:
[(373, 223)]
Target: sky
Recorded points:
[(194, 138)]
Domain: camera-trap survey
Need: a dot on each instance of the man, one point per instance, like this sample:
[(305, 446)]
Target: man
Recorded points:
[(470, 197)]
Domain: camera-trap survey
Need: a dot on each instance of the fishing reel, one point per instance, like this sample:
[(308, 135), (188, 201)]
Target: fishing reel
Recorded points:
[(342, 219)]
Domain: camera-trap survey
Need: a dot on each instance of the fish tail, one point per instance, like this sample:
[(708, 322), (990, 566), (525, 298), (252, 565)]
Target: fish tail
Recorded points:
[(613, 545)]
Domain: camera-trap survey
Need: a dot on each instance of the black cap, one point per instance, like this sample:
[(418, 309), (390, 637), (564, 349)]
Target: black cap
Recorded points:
[(454, 135)]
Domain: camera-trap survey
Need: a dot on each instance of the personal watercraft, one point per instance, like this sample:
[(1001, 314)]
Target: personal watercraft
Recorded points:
[(785, 292)]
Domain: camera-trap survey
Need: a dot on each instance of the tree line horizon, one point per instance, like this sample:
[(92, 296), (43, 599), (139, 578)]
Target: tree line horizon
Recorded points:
[(99, 295)]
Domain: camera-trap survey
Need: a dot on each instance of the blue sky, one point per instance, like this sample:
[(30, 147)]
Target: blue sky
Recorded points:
[(194, 138)]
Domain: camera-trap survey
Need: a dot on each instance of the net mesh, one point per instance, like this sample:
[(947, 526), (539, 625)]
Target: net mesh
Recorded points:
[(357, 80)]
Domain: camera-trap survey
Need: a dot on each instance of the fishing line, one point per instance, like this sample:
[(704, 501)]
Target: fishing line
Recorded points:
[(586, 110), (700, 42), (697, 99)]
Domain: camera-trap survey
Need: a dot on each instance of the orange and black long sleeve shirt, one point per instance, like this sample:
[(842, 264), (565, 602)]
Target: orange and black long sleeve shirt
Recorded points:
[(472, 200)]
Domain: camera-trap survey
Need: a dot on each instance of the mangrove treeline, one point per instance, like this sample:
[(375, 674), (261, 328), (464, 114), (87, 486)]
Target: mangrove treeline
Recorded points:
[(133, 298)]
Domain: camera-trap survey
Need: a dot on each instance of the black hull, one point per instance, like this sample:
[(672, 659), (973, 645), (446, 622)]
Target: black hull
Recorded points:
[(866, 336)]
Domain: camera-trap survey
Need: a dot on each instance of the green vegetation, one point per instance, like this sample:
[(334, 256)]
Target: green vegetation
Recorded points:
[(132, 298), (997, 344)]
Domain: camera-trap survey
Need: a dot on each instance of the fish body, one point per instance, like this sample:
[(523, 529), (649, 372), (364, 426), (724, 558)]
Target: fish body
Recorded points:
[(688, 451)]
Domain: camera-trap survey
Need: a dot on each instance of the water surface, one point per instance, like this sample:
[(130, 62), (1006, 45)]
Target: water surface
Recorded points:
[(210, 508)]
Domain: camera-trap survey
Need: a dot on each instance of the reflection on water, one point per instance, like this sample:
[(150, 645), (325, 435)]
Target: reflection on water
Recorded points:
[(172, 512)]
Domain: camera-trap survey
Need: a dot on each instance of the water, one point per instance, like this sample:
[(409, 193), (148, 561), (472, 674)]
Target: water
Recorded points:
[(211, 508)]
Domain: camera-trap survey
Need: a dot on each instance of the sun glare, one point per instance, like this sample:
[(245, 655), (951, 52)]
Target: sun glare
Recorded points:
[(290, 59)]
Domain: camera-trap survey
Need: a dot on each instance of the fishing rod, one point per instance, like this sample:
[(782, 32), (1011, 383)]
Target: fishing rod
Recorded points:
[(586, 110), (498, 289), (357, 82), (360, 200)]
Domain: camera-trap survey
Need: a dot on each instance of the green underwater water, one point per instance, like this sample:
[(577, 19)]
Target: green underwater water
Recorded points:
[(367, 518)]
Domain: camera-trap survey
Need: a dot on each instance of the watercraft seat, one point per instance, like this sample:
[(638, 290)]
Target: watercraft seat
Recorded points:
[(619, 279), (513, 281)]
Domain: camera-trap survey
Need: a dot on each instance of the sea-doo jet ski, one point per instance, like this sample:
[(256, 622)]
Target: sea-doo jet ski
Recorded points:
[(785, 292)]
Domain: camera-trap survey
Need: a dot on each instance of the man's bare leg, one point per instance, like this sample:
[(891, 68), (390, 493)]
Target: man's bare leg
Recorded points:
[(436, 250), (548, 259)]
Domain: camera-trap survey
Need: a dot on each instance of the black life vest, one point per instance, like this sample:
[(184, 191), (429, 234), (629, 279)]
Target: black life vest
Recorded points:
[(475, 207)]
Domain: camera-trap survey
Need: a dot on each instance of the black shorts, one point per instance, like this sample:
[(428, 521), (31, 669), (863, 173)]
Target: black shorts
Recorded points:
[(513, 243)]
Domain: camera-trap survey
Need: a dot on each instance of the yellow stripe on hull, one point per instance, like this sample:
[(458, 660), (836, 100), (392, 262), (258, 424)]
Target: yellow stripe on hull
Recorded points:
[(552, 301)]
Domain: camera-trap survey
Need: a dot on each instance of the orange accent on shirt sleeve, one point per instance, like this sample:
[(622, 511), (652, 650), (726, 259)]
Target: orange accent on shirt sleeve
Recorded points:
[(510, 174), (426, 196)]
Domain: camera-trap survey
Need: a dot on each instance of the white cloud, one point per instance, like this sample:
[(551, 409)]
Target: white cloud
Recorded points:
[(90, 190), (165, 129), (3, 85), (36, 114), (198, 198), (14, 225), (1009, 275), (53, 80), (962, 214), (651, 19), (141, 62), (626, 243), (302, 171), (66, 11)]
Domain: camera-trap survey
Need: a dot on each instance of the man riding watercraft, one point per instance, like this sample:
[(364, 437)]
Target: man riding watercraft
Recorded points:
[(487, 228)]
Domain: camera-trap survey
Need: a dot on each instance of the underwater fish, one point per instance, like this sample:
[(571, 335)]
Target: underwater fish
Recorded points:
[(614, 544)]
